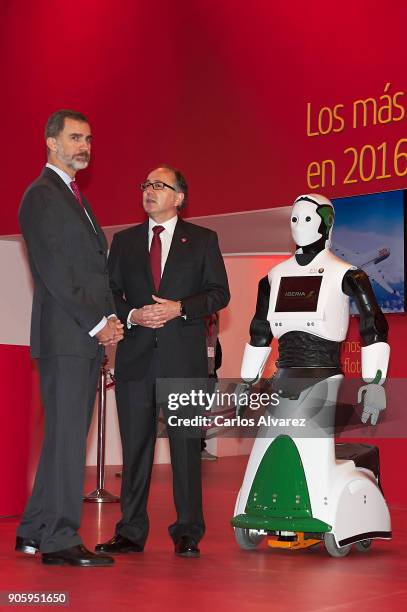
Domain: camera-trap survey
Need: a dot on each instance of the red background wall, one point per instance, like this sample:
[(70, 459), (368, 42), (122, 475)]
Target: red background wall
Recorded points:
[(20, 429), (217, 87)]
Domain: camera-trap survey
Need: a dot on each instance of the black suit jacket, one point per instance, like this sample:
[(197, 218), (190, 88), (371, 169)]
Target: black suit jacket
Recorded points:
[(68, 262), (194, 273)]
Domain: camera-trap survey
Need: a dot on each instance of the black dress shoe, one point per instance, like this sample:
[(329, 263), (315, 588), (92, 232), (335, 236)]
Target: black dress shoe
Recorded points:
[(118, 544), (26, 545), (186, 547), (77, 555)]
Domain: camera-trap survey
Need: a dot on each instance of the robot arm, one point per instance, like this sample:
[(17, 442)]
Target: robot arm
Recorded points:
[(254, 360), (375, 354), (260, 330), (373, 326), (256, 353)]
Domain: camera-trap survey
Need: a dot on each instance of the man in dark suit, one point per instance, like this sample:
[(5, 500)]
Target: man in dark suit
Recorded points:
[(166, 275), (72, 319)]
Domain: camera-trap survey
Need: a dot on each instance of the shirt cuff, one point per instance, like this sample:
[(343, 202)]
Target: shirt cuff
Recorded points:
[(98, 327), (130, 323)]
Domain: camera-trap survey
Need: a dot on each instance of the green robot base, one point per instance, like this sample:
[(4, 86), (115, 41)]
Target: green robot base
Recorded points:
[(299, 489)]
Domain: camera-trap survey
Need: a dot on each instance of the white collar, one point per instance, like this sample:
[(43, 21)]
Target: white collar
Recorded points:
[(61, 173), (169, 225)]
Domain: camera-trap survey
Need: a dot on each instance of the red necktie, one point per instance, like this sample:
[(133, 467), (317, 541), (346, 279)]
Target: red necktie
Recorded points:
[(155, 255), (76, 192)]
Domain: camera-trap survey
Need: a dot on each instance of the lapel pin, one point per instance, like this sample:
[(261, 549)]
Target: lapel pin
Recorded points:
[(184, 240)]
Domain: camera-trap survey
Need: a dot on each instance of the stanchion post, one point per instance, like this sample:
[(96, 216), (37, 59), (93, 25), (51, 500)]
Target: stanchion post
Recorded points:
[(100, 495)]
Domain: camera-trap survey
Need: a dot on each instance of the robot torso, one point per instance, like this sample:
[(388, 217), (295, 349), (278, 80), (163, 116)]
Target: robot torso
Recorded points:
[(310, 298)]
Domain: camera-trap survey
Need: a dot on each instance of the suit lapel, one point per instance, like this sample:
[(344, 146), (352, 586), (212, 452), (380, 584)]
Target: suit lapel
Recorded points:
[(73, 203), (96, 230), (177, 252), (143, 254)]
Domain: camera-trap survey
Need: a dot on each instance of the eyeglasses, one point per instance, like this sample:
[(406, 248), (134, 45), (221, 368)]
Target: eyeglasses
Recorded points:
[(156, 185)]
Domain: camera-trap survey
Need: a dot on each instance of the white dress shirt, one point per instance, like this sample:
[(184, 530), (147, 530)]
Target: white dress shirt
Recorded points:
[(68, 180), (166, 239)]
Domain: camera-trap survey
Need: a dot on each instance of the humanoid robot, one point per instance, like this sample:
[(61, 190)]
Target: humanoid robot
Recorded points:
[(297, 491)]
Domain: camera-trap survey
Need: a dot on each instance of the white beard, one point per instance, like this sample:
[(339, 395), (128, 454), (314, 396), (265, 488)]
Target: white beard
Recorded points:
[(70, 161)]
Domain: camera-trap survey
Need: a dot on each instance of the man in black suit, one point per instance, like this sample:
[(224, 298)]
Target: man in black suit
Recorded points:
[(164, 312), (72, 319)]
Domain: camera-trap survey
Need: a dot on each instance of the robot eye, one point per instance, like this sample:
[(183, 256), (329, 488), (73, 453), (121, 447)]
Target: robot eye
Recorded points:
[(308, 219), (294, 220)]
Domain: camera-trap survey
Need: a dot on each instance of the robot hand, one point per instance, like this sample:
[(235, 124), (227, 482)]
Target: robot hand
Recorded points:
[(242, 393), (374, 401)]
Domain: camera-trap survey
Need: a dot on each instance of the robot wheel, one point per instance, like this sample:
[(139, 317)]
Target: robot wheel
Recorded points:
[(248, 539)]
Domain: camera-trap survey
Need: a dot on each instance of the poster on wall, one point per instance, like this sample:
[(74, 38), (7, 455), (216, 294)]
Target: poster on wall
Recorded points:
[(369, 233)]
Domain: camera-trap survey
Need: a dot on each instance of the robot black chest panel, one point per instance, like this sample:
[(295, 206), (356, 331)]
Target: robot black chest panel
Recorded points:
[(298, 294)]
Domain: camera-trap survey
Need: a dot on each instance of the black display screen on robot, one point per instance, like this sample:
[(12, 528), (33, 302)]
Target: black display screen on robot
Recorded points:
[(298, 294)]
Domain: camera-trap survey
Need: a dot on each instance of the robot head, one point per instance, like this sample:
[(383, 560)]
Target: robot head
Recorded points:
[(312, 219)]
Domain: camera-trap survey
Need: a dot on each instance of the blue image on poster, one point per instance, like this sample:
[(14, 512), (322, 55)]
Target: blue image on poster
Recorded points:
[(369, 233)]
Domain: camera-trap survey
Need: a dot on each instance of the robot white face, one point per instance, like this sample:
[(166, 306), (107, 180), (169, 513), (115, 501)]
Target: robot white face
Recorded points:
[(306, 221)]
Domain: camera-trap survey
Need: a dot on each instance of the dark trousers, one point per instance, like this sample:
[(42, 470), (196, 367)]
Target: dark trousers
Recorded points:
[(52, 514), (138, 414)]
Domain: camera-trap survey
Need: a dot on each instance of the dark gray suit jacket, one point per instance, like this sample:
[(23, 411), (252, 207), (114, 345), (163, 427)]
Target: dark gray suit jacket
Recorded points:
[(68, 265), (194, 273)]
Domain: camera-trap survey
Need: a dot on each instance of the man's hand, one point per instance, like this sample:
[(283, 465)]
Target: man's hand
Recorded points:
[(166, 309), (118, 327), (147, 317), (156, 315), (112, 332)]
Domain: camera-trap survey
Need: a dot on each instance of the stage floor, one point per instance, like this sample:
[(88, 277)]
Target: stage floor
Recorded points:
[(224, 577)]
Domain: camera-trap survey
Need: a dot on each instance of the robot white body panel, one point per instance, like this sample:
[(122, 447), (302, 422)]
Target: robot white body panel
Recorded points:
[(359, 510), (330, 320), (344, 497)]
